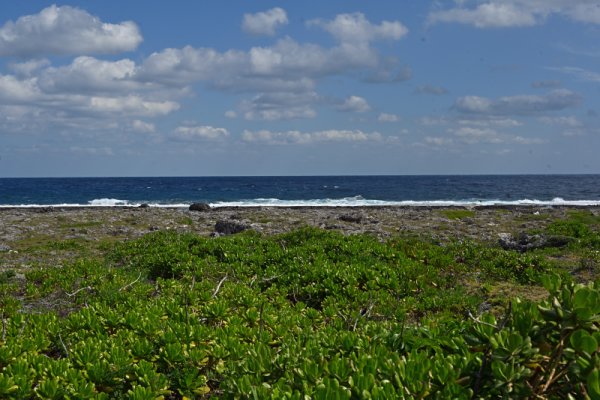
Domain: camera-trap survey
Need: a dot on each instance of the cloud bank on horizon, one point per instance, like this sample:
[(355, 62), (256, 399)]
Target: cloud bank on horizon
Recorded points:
[(495, 86)]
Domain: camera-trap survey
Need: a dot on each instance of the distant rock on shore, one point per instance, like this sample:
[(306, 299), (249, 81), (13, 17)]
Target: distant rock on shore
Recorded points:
[(199, 207)]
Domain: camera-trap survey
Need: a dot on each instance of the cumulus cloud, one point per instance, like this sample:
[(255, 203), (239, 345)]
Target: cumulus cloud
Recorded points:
[(130, 105), (282, 77), (518, 105), (279, 105), (29, 67), (515, 13), (491, 121), (433, 90), (298, 137), (264, 23), (286, 68), (354, 104), (438, 141), (66, 30), (142, 127), (90, 75), (355, 28), (81, 95), (200, 132), (570, 121), (473, 135), (384, 117), (17, 91), (477, 129), (569, 125)]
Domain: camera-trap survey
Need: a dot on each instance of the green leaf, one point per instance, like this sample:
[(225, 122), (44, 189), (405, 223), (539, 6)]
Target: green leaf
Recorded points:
[(587, 298), (583, 341), (593, 384), (551, 282)]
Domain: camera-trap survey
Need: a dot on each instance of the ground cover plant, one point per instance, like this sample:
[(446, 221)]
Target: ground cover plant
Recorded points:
[(306, 314)]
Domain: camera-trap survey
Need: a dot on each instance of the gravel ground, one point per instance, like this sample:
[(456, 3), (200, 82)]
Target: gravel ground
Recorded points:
[(18, 225)]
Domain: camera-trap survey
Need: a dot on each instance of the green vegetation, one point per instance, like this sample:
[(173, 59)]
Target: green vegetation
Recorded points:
[(457, 213), (308, 313)]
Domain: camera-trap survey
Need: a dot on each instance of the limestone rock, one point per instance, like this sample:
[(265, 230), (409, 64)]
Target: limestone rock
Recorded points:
[(199, 207), (224, 227)]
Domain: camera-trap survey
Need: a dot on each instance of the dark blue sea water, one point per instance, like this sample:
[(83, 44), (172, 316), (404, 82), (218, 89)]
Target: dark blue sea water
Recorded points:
[(303, 191)]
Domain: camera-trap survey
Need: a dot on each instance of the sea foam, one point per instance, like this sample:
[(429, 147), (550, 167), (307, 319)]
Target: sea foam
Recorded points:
[(359, 201), (356, 201)]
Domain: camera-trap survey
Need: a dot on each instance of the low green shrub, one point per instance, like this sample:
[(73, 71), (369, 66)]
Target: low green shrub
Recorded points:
[(308, 314)]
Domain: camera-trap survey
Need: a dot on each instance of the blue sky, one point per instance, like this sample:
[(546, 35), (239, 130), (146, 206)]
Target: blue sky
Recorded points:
[(150, 88)]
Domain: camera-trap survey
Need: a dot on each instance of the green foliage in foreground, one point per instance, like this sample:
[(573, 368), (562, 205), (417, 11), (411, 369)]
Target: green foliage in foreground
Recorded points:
[(310, 314)]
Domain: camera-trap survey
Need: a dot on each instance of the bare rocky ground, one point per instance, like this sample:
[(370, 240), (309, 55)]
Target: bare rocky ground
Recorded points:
[(53, 235)]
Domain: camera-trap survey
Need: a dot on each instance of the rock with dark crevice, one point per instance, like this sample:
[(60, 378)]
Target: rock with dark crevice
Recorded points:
[(350, 218), (224, 227), (199, 207), (525, 242)]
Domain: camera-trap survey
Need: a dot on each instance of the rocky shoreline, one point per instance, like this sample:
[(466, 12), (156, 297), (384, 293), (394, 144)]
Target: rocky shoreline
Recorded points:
[(442, 223), (57, 236)]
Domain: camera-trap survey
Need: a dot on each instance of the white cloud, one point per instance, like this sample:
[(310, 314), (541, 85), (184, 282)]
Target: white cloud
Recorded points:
[(384, 117), (29, 67), (491, 121), (474, 104), (571, 122), (66, 30), (189, 64), (230, 114), (264, 23), (297, 137), (16, 91), (569, 125), (200, 132), (282, 77), (472, 135), (525, 141), (281, 113), (356, 29), (438, 141), (487, 15), (478, 130), (84, 95), (279, 105), (142, 127), (354, 104), (131, 105), (584, 11), (90, 75), (284, 68), (580, 73), (518, 105), (514, 13)]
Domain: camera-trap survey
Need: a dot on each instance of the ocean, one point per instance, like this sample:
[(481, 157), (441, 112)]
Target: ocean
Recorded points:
[(287, 191)]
